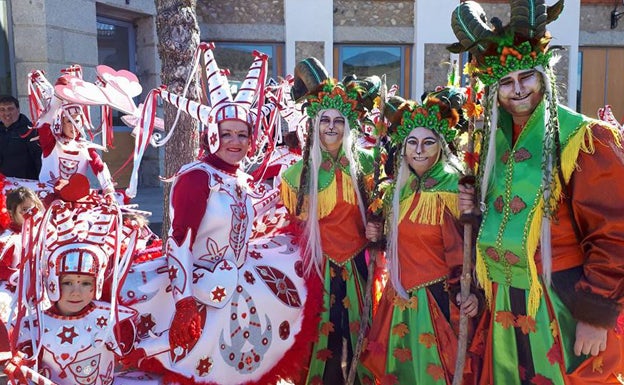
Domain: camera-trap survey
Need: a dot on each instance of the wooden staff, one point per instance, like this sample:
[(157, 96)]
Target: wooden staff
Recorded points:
[(373, 250), (466, 274)]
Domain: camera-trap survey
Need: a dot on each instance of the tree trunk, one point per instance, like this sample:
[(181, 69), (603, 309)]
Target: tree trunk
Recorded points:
[(178, 38)]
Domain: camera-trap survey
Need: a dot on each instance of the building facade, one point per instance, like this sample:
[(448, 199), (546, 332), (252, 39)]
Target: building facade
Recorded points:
[(404, 39)]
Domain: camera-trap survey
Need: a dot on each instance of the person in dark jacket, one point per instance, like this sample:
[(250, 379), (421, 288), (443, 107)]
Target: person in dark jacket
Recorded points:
[(20, 153)]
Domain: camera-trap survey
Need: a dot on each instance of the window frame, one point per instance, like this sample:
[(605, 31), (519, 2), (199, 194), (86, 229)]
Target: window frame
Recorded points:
[(406, 63)]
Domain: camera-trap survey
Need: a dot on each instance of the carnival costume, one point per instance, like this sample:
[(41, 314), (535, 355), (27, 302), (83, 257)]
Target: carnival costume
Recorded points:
[(549, 209), (413, 338), (78, 237), (334, 233), (242, 299)]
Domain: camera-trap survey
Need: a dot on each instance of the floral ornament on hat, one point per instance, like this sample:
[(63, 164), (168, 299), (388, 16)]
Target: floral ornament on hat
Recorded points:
[(334, 95), (499, 50), (440, 112)]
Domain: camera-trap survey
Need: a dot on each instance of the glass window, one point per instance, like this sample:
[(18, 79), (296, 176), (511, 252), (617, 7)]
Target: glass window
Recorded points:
[(116, 48), (6, 81), (237, 57), (367, 60)]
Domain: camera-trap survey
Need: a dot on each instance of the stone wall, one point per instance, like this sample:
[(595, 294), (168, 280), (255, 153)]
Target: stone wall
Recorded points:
[(305, 49), (240, 12), (437, 67), (375, 13)]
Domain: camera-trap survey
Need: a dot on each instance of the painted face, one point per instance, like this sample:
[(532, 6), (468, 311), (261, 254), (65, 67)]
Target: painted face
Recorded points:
[(20, 210), (422, 149), (9, 113), (69, 130), (520, 92), (234, 141), (77, 291), (331, 130)]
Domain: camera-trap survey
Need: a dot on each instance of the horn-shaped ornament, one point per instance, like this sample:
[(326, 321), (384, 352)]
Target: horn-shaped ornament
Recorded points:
[(218, 87), (469, 24)]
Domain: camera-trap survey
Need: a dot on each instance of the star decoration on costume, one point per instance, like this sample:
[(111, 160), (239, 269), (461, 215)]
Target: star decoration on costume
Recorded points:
[(204, 366), (239, 191), (218, 293), (101, 322), (146, 323), (249, 278), (67, 335), (217, 178), (173, 273), (255, 255), (213, 139)]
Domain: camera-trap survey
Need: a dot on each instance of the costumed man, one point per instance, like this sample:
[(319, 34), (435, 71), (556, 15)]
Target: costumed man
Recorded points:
[(325, 190), (20, 154), (239, 305), (66, 151), (550, 249)]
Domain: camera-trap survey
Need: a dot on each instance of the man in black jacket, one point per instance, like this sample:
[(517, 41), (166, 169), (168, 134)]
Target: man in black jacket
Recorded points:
[(20, 153)]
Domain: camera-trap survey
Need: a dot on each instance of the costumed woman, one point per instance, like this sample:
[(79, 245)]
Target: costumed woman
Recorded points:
[(236, 307), (550, 250), (325, 190), (413, 338)]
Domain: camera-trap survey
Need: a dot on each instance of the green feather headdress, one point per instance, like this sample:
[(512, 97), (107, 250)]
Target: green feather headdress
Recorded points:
[(498, 49)]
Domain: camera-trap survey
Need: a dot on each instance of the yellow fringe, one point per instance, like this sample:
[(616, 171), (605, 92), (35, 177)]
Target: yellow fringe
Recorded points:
[(431, 206), (535, 289), (289, 197), (348, 192), (327, 199), (404, 206), (484, 278)]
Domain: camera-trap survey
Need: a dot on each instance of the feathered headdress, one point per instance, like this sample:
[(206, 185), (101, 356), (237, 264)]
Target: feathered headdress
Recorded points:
[(498, 49)]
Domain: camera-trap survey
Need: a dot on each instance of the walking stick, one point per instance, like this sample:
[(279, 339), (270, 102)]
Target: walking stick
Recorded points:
[(373, 249), (466, 274)]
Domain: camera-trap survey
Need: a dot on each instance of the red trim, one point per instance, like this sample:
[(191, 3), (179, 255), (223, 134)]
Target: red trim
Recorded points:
[(294, 363)]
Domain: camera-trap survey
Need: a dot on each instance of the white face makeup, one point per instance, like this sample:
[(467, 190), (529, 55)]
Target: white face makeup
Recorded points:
[(331, 131), (520, 92), (422, 149)]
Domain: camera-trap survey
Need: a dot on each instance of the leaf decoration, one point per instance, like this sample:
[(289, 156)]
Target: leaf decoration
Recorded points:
[(427, 339), (323, 354), (403, 354), (554, 354), (435, 371), (597, 364), (389, 379), (346, 302), (326, 328), (506, 319), (400, 330), (526, 323), (541, 380), (554, 329)]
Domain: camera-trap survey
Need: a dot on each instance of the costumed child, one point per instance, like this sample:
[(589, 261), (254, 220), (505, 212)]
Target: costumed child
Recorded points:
[(19, 202), (77, 338), (65, 149), (413, 338), (325, 191)]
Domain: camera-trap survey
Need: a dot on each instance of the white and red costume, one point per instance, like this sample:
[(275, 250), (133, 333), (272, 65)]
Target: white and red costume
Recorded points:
[(10, 251)]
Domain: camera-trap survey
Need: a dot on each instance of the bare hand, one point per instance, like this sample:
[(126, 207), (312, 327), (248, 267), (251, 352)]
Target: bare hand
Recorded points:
[(470, 307), (373, 231), (589, 339), (466, 198)]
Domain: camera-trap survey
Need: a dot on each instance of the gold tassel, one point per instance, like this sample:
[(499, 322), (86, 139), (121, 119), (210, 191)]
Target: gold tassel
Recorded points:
[(483, 278), (327, 199), (405, 205), (534, 234), (289, 197), (430, 207), (348, 193)]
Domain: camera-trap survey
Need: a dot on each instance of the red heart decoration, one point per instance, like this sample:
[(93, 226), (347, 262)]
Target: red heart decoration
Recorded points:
[(244, 315), (64, 356), (74, 189)]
